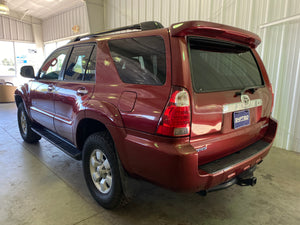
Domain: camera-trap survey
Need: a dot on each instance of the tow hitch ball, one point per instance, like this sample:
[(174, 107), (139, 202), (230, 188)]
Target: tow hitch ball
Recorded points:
[(247, 182)]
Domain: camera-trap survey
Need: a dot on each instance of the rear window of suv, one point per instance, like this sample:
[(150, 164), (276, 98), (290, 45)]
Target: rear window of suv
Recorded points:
[(140, 60), (221, 66)]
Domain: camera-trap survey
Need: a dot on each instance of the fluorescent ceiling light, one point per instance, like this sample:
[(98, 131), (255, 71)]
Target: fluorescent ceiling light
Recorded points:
[(3, 8)]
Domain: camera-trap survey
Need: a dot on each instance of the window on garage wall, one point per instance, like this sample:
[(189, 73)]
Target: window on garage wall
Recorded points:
[(7, 59), (14, 55), (26, 54), (50, 47)]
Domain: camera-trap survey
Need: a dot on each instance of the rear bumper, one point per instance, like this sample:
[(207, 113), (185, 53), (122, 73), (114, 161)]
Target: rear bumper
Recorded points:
[(174, 165)]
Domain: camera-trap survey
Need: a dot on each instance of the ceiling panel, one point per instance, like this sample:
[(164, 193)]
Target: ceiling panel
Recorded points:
[(42, 8)]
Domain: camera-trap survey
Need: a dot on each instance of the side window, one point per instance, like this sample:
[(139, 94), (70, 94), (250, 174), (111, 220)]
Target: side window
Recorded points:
[(140, 60), (78, 63), (53, 65)]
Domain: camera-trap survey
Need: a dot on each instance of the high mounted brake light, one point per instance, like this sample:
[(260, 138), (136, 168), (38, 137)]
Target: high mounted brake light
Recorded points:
[(176, 118), (215, 30)]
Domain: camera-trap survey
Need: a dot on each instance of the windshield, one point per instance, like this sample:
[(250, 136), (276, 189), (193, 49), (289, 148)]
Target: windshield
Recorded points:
[(220, 66)]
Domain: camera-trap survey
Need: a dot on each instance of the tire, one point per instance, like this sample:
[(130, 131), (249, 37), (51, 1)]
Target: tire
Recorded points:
[(101, 171), (24, 123)]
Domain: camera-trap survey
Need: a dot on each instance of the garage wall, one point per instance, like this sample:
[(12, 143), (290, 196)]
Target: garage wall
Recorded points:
[(280, 48), (281, 54), (12, 29), (60, 26)]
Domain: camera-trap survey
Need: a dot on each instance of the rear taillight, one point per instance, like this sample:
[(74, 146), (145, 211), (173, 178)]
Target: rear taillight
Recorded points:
[(176, 118)]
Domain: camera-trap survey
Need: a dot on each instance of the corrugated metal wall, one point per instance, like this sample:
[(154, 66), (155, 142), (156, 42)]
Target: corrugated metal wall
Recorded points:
[(12, 29), (60, 26), (280, 48)]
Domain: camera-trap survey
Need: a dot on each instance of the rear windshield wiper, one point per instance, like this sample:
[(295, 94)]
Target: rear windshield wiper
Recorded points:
[(252, 89)]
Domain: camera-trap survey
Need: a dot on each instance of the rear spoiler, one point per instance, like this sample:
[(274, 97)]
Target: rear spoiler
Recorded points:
[(215, 30)]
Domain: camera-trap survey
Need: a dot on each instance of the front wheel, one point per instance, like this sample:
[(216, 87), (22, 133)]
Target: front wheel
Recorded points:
[(24, 123), (101, 171)]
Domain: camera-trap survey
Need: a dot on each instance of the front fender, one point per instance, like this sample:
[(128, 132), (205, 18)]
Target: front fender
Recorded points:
[(22, 95)]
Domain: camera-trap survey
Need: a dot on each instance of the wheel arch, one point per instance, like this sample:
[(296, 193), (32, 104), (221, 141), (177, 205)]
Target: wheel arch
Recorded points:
[(21, 96), (89, 125), (18, 100), (85, 128), (98, 116)]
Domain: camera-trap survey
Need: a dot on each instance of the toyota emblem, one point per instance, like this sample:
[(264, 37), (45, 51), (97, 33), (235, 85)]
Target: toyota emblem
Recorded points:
[(245, 100)]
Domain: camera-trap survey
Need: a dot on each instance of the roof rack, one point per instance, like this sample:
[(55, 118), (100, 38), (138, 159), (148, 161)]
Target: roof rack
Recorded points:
[(149, 25)]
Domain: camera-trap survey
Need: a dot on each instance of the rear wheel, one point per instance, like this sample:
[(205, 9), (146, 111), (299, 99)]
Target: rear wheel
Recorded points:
[(24, 123), (101, 171)]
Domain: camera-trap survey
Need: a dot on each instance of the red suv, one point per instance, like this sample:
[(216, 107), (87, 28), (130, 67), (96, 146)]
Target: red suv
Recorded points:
[(186, 107)]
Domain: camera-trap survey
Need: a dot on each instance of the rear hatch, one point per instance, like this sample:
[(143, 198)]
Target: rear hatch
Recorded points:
[(230, 98)]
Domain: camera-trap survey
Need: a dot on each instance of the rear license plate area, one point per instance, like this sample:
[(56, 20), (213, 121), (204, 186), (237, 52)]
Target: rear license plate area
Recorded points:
[(241, 119)]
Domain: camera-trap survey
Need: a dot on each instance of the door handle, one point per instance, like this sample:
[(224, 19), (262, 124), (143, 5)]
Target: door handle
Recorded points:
[(82, 91), (51, 88)]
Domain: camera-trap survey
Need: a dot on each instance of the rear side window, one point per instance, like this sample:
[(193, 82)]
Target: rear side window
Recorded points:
[(81, 65), (220, 66), (140, 60)]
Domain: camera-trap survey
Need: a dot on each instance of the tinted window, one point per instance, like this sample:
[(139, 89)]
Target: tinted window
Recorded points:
[(78, 63), (140, 60), (53, 65), (218, 66)]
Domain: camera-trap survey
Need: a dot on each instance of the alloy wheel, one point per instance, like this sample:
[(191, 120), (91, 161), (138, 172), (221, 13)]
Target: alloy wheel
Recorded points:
[(23, 122), (100, 171)]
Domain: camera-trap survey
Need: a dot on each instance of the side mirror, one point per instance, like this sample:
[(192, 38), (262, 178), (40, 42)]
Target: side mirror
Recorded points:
[(27, 71)]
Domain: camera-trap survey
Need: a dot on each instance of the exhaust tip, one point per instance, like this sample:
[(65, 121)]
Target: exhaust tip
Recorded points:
[(202, 193), (247, 182)]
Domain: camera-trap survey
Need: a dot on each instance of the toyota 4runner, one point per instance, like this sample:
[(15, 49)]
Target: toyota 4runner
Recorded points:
[(186, 107)]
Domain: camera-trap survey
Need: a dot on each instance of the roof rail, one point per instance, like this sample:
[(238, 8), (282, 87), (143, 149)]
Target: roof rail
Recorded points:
[(149, 25)]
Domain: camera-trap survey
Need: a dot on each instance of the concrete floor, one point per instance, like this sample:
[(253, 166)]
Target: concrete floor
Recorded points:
[(39, 184)]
